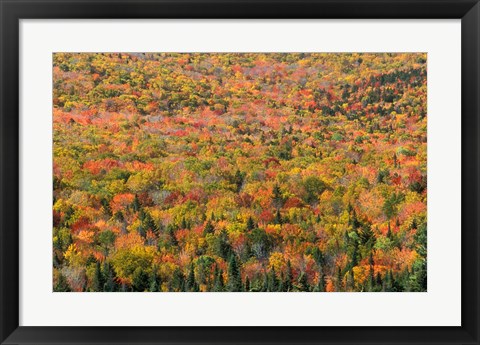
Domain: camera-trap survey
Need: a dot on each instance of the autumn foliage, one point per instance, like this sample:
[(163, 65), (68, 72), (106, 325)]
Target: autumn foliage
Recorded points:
[(239, 172)]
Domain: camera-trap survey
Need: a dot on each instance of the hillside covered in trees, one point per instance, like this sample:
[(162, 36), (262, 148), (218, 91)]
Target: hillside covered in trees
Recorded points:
[(239, 172)]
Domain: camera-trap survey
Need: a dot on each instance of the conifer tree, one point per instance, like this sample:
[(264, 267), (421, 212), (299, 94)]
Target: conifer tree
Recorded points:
[(149, 224), (190, 282), (154, 286), (247, 284), (136, 204), (184, 224), (171, 235), (140, 280), (273, 283), (277, 198), (209, 229), (338, 282), (389, 232), (288, 277), (278, 218), (250, 224), (98, 281), (388, 283), (371, 274), (317, 256), (218, 285), (222, 245), (109, 285), (234, 279), (281, 282), (378, 281), (265, 282), (178, 281)]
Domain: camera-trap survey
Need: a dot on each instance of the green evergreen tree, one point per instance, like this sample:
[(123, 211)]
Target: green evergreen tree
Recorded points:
[(178, 281), (184, 224), (378, 282), (250, 224), (190, 282), (317, 256), (281, 283), (247, 284), (222, 245), (389, 232), (278, 218), (218, 285), (154, 283), (119, 216), (367, 237), (389, 281), (141, 231), (106, 207), (98, 281), (338, 281), (140, 280), (414, 226), (149, 224), (418, 280), (136, 204), (234, 279), (264, 282), (354, 255), (171, 235), (277, 198), (273, 283), (209, 229), (353, 220), (288, 277), (371, 274), (109, 285)]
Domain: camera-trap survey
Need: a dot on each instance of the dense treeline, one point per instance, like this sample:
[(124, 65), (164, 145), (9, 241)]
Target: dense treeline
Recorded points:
[(239, 172)]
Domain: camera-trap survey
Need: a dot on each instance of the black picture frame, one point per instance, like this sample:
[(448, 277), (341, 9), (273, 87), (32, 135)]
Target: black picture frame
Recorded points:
[(12, 11)]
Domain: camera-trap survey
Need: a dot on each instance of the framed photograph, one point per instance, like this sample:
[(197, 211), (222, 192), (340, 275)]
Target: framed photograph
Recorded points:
[(239, 172)]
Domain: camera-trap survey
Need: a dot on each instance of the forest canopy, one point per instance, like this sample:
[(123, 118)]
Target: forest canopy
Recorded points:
[(239, 172)]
